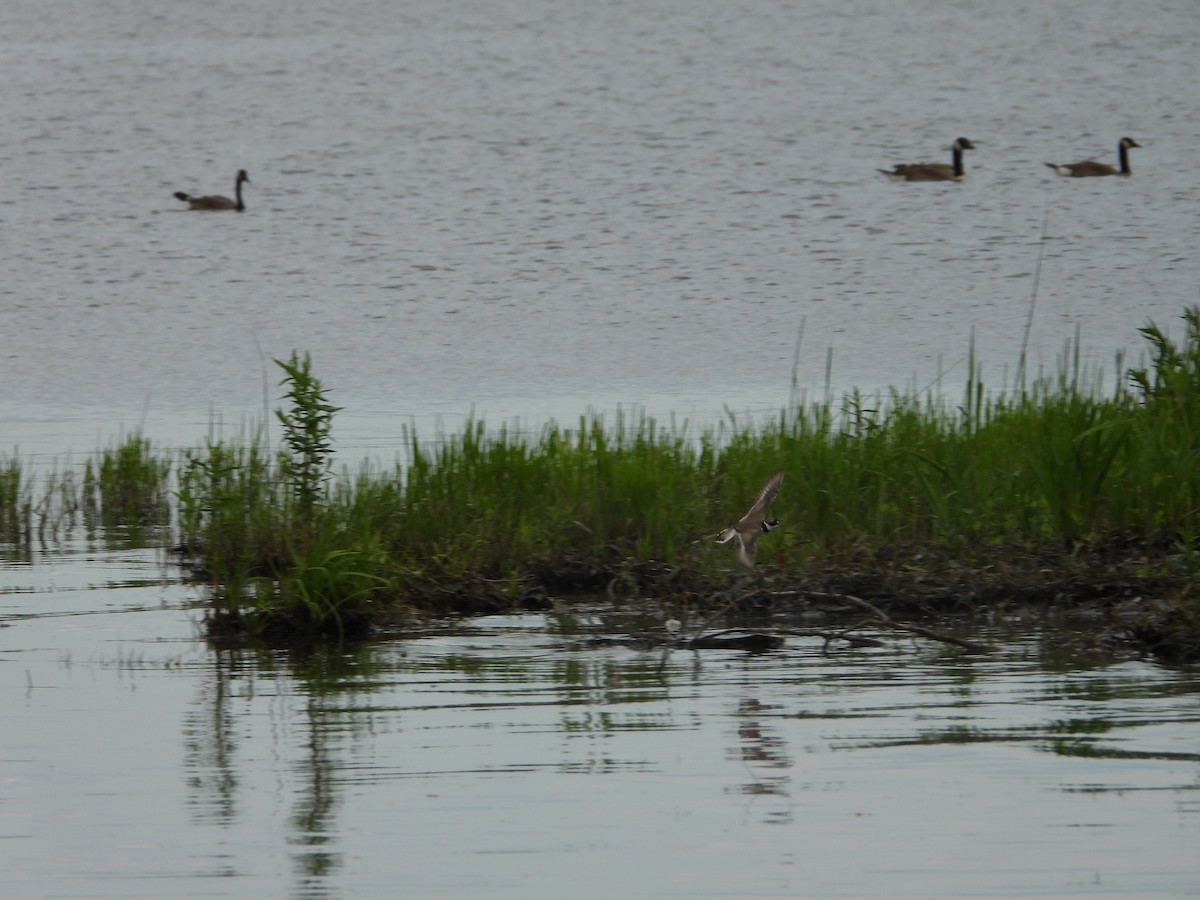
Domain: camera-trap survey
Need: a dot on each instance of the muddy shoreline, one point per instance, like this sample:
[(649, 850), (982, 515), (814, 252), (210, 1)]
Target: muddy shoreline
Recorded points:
[(1124, 598)]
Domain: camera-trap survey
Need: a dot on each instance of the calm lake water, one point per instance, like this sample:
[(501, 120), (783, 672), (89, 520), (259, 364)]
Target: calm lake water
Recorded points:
[(525, 209), (528, 208), (496, 758)]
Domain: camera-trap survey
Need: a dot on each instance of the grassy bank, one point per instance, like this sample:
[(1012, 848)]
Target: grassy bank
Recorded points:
[(1062, 492)]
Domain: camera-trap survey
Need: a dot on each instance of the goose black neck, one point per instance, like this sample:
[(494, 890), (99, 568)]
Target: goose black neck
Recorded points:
[(958, 164), (1123, 151)]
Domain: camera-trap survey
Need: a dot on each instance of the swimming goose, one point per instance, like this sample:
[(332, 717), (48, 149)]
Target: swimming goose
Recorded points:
[(1089, 167), (933, 171), (215, 201), (745, 532)]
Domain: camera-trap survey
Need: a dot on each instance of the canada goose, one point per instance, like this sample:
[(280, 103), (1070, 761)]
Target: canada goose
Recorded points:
[(1089, 167), (933, 171), (215, 201), (745, 532)]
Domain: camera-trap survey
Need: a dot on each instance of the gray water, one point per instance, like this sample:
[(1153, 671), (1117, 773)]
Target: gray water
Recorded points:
[(528, 209), (498, 758), (522, 209)]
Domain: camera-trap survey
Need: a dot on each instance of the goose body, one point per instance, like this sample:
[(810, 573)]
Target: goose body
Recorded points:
[(1089, 168), (215, 202), (933, 171), (744, 533)]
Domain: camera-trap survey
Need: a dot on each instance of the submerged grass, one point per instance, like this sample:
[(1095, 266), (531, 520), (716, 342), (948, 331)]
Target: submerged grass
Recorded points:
[(16, 504), (125, 490)]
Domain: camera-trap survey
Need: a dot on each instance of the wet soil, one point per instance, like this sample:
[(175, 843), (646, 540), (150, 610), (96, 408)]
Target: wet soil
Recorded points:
[(1130, 596)]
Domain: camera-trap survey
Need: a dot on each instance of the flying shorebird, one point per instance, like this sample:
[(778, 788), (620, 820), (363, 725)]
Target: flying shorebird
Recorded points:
[(746, 530)]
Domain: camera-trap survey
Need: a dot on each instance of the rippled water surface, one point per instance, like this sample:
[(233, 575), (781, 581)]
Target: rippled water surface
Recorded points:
[(527, 208), (499, 758), (530, 207)]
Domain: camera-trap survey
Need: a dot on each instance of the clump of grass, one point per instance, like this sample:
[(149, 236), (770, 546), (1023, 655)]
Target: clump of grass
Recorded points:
[(232, 518), (258, 528), (16, 506), (1165, 439), (127, 487)]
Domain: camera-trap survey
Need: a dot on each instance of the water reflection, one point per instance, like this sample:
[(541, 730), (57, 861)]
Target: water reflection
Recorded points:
[(501, 755), (761, 746), (488, 731), (209, 747), (312, 708)]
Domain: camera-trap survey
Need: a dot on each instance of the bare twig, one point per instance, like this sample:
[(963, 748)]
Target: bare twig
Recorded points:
[(887, 620)]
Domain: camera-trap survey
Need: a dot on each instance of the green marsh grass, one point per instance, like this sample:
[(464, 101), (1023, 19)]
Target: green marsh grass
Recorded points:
[(480, 518), (35, 506), (16, 505), (233, 517), (127, 487)]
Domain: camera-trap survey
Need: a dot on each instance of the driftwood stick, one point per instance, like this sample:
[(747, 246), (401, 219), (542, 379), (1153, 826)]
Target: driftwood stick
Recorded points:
[(887, 620)]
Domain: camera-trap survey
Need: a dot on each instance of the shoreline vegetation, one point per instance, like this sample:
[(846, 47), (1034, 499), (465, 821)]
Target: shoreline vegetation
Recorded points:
[(1059, 499)]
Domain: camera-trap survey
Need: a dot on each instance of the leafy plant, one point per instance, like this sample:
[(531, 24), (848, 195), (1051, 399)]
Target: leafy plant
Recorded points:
[(1175, 372), (307, 429)]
